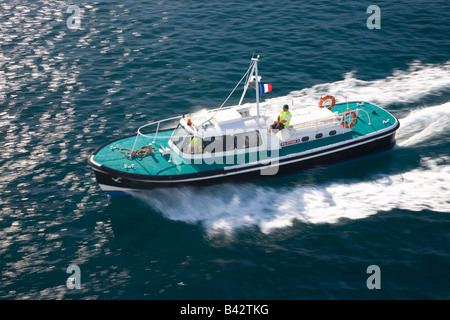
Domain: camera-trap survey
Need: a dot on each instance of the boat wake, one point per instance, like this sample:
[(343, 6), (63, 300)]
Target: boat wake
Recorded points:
[(226, 208), (424, 125), (230, 207)]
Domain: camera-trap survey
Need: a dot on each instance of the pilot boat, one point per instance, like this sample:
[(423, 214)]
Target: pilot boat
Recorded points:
[(235, 144)]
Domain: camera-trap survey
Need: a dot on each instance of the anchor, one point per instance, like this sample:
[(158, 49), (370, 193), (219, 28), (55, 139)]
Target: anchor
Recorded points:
[(117, 180)]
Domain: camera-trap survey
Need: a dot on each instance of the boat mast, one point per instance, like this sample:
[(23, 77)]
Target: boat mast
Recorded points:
[(257, 87)]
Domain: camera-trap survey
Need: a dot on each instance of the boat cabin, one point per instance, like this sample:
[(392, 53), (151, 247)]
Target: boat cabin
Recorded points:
[(231, 131), (221, 133)]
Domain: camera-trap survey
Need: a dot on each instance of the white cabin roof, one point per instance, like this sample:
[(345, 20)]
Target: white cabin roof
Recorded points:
[(227, 121), (228, 115)]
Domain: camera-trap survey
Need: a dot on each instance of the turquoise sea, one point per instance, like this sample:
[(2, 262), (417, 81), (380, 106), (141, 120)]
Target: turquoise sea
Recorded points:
[(67, 88)]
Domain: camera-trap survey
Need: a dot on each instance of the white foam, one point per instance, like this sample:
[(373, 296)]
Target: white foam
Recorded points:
[(228, 207), (355, 200), (423, 124)]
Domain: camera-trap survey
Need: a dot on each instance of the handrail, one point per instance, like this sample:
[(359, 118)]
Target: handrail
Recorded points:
[(139, 133), (368, 116), (318, 122), (155, 122), (338, 93)]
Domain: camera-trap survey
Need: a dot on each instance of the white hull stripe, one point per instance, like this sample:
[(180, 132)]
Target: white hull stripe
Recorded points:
[(105, 187)]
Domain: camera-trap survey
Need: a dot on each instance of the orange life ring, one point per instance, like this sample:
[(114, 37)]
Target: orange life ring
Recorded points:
[(344, 117), (333, 102)]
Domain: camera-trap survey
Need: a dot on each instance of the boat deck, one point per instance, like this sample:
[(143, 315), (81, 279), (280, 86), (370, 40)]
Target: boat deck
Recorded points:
[(157, 164), (154, 164)]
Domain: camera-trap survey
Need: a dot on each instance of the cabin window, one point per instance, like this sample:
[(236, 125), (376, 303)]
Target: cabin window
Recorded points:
[(181, 138), (332, 132), (214, 144), (187, 142), (248, 140), (304, 139), (228, 143), (239, 141), (218, 144), (319, 135)]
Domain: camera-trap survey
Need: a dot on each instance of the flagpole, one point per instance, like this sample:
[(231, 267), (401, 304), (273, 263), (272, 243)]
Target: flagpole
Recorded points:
[(257, 87)]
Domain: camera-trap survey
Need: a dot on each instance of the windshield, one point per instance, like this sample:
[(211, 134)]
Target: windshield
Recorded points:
[(179, 137), (186, 142)]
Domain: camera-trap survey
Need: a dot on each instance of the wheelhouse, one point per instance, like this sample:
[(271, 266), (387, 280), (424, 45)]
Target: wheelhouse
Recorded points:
[(218, 138)]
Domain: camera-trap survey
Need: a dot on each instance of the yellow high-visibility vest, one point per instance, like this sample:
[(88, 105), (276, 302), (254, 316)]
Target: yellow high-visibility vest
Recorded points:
[(196, 140), (285, 115)]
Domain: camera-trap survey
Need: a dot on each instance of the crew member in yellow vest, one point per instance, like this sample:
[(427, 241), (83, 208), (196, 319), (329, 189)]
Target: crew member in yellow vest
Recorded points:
[(283, 119), (195, 144)]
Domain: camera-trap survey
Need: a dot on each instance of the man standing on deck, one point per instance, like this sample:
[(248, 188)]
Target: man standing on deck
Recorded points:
[(283, 119)]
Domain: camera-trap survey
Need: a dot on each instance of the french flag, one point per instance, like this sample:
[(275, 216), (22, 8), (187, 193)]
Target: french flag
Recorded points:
[(266, 88)]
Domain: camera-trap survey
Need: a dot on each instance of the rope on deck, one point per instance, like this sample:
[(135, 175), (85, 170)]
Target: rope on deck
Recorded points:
[(140, 153)]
